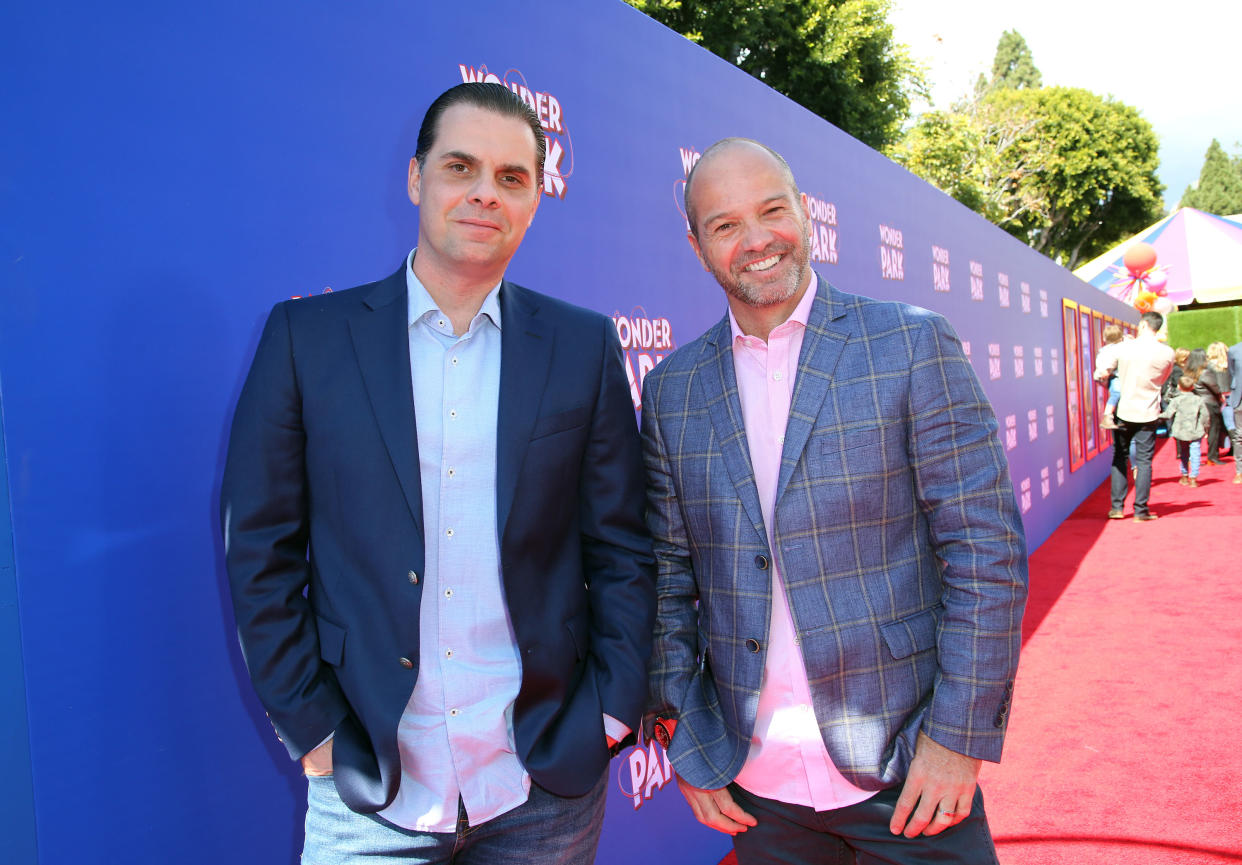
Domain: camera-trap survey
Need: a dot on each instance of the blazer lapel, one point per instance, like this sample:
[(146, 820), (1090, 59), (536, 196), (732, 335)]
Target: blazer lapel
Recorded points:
[(717, 382), (380, 333), (822, 344), (525, 360)]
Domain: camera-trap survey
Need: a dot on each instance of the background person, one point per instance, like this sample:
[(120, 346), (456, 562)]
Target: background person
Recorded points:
[(1188, 424), (1104, 357), (1207, 386), (1142, 365)]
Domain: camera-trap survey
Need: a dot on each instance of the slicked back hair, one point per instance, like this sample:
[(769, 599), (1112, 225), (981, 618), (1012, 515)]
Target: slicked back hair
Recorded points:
[(493, 97), (1154, 320)]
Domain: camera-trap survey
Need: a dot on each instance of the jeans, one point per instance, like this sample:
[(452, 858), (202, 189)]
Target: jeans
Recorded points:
[(1143, 435), (1188, 456), (546, 829), (797, 835)]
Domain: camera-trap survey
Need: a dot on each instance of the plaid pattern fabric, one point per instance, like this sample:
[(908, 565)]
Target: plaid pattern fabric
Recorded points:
[(897, 534)]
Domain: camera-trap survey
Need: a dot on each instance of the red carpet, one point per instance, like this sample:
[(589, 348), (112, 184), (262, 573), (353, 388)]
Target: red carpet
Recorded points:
[(1125, 742)]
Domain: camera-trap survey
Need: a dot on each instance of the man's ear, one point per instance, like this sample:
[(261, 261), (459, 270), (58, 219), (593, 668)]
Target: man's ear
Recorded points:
[(412, 184), (535, 206), (694, 244)]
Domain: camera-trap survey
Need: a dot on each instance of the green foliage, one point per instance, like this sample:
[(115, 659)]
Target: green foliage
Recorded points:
[(835, 57), (1197, 328), (1066, 171), (1013, 66), (1219, 189)]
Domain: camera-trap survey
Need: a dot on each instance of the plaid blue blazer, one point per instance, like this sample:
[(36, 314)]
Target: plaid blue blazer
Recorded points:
[(897, 535)]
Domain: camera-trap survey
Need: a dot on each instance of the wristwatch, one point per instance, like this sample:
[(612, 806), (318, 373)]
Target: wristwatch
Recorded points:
[(663, 731)]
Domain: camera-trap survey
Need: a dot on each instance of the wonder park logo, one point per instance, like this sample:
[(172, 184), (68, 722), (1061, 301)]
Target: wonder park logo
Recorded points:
[(646, 341), (551, 118)]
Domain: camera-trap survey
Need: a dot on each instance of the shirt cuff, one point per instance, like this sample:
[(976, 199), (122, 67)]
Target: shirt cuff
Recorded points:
[(614, 728)]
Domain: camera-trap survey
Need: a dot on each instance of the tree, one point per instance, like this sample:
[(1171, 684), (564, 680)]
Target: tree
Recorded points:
[(835, 57), (1013, 66), (1066, 171), (1219, 189)]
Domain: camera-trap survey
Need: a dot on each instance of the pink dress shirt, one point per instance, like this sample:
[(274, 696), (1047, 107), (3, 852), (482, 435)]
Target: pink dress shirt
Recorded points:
[(787, 760)]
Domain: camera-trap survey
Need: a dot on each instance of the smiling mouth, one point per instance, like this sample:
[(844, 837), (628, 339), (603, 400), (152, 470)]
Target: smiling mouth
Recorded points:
[(762, 264)]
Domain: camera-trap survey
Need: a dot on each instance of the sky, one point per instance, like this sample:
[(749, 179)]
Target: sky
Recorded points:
[(1176, 62)]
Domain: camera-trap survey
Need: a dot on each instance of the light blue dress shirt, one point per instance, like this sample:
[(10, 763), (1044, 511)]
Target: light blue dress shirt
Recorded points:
[(456, 735)]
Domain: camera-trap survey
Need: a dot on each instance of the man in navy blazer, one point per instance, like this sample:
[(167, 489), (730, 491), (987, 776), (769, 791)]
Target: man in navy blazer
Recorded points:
[(841, 563), (433, 519)]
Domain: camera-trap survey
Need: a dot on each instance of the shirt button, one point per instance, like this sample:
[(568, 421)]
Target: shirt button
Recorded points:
[(449, 533), (454, 712), (454, 361), (448, 593), (452, 412), (452, 471), (407, 663), (413, 577), (440, 322), (448, 653), (778, 375)]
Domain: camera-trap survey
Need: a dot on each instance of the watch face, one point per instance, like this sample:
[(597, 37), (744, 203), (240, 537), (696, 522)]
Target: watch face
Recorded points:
[(661, 734)]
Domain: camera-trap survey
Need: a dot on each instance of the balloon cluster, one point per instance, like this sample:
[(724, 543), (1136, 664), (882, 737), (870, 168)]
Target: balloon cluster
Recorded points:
[(1141, 283)]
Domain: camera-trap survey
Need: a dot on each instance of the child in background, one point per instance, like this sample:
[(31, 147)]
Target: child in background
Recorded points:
[(1188, 423), (1103, 359)]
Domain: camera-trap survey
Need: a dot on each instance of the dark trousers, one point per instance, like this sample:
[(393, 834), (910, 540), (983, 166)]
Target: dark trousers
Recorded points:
[(797, 835), (1144, 437)]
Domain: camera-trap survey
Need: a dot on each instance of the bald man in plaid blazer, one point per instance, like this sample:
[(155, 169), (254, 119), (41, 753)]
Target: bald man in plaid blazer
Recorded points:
[(884, 552)]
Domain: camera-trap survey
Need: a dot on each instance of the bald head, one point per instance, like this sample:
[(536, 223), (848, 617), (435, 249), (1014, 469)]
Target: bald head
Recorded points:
[(731, 154)]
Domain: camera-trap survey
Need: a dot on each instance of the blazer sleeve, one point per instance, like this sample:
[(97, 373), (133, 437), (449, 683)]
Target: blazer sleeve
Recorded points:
[(675, 656), (616, 548), (963, 486), (264, 515)]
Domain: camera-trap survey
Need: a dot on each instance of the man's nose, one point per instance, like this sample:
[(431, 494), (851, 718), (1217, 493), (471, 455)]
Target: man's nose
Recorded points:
[(484, 191), (755, 235)]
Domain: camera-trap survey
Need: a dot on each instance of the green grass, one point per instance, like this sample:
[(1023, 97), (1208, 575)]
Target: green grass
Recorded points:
[(1195, 328)]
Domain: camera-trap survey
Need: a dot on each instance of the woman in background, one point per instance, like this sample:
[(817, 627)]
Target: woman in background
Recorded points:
[(1208, 389)]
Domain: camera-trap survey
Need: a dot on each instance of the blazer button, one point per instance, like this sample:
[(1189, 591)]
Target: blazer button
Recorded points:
[(753, 645), (413, 578), (761, 562), (407, 663)]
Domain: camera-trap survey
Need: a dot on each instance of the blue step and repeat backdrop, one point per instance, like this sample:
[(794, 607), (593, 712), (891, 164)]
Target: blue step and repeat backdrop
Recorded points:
[(170, 171)]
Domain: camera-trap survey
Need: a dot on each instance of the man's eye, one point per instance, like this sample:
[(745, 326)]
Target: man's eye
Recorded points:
[(458, 167), (511, 180), (723, 228)]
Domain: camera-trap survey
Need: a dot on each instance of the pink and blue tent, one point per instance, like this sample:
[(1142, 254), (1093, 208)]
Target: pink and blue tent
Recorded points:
[(1202, 254)]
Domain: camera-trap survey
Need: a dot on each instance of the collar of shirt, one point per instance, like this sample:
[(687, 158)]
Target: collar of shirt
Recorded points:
[(421, 306), (798, 318)]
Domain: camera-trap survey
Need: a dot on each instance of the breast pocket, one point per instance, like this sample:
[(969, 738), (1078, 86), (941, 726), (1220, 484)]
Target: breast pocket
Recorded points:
[(859, 453)]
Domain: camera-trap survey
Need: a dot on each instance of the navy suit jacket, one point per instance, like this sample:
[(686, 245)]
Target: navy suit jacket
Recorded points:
[(896, 532), (322, 517)]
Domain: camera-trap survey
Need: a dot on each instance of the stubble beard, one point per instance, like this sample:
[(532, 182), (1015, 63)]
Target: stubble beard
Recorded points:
[(766, 294)]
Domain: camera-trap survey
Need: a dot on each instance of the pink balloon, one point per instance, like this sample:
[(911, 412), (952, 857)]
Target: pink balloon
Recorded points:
[(1157, 280), (1139, 258)]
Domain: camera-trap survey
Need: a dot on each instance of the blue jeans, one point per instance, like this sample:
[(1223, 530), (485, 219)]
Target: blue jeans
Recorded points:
[(1188, 456), (546, 829), (1143, 437), (786, 834)]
